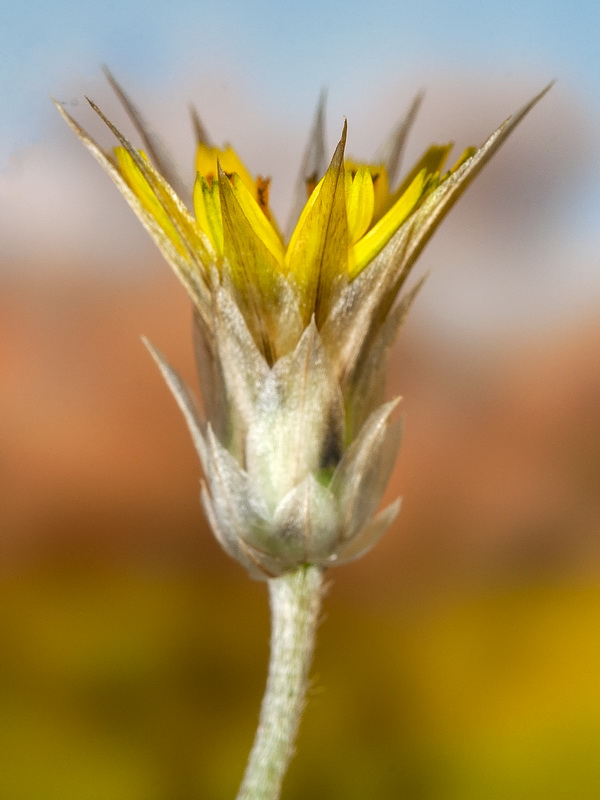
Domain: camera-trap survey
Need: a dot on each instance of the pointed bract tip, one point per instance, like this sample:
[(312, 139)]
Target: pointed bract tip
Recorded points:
[(534, 101), (93, 105), (198, 127), (109, 76), (321, 103), (338, 155)]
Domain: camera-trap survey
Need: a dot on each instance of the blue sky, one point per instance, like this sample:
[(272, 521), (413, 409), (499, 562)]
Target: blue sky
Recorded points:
[(289, 49)]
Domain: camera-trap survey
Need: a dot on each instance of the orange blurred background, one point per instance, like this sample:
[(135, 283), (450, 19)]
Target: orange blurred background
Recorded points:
[(458, 660)]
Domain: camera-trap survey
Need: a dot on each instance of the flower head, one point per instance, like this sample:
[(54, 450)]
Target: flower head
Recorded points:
[(298, 442)]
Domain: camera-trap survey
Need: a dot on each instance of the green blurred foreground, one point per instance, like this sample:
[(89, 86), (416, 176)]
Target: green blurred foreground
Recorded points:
[(125, 685)]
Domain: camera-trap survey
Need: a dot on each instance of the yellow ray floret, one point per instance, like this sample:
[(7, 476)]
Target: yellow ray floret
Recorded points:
[(360, 201), (208, 160), (145, 193), (348, 218), (356, 238), (367, 247), (381, 185), (161, 203), (207, 207)]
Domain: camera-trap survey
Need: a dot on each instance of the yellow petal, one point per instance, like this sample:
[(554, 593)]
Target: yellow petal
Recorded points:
[(465, 156), (360, 202), (381, 186), (432, 160), (207, 207), (258, 221), (250, 259), (184, 267), (369, 246), (318, 250), (208, 158), (300, 225), (255, 271), (140, 186)]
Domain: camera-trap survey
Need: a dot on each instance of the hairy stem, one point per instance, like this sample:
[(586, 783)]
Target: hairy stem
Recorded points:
[(295, 605)]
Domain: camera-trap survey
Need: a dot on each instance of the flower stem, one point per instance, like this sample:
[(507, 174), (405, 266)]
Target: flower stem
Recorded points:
[(295, 604)]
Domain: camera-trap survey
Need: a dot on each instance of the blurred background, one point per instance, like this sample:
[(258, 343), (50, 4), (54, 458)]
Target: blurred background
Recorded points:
[(458, 660)]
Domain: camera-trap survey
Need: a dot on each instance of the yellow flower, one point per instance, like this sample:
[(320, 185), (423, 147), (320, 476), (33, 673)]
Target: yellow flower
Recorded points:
[(349, 216), (293, 333)]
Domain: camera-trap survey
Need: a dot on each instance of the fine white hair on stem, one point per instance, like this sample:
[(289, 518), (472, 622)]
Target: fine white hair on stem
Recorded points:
[(295, 606)]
